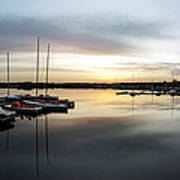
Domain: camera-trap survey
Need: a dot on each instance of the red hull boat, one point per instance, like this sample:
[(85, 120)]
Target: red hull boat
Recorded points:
[(23, 108)]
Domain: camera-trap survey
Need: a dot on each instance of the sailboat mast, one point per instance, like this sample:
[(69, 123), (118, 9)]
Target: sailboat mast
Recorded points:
[(172, 75), (8, 73), (132, 77), (47, 68), (37, 66)]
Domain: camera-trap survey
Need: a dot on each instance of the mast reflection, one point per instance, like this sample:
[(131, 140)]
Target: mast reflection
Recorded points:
[(37, 146), (47, 139)]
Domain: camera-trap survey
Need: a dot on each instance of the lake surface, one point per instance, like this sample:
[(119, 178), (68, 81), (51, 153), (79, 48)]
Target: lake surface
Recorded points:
[(105, 137)]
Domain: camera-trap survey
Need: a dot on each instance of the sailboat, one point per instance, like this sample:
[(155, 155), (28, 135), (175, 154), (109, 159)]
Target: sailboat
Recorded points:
[(23, 108), (14, 102), (8, 98), (47, 102), (4, 114), (132, 93), (7, 118), (54, 100)]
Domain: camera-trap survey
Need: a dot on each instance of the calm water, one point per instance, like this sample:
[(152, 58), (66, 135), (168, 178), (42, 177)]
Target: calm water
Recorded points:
[(104, 137)]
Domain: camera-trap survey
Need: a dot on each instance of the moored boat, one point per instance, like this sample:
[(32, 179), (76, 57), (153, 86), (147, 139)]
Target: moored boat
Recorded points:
[(70, 104), (158, 94), (9, 98), (23, 108), (4, 114), (122, 93), (48, 97), (30, 97), (172, 92), (47, 105), (132, 93)]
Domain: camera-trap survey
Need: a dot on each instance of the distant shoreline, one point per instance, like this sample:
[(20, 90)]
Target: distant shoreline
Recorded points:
[(82, 85)]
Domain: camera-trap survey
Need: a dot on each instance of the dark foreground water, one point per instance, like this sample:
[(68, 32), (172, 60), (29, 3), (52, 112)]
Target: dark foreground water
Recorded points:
[(106, 137)]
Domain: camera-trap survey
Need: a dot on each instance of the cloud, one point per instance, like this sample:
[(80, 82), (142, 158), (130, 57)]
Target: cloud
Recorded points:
[(146, 67), (95, 34)]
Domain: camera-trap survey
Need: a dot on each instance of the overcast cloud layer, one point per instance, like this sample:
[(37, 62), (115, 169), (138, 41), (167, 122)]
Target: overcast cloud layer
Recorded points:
[(101, 34)]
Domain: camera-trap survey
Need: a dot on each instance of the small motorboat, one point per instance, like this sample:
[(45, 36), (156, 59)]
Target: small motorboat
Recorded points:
[(122, 93), (172, 92), (70, 104), (132, 93), (47, 97), (41, 96), (142, 93), (152, 90), (47, 105), (158, 94), (55, 101), (23, 108), (25, 96), (9, 98), (178, 93), (6, 114)]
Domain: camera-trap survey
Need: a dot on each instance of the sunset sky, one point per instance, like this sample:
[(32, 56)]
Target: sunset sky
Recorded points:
[(92, 40)]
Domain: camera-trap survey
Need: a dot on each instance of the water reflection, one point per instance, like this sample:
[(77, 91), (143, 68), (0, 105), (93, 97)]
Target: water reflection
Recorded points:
[(6, 124), (172, 106), (46, 131), (47, 139), (105, 137), (95, 101), (37, 147)]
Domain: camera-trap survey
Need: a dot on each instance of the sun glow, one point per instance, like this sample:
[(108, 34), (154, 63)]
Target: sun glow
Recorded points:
[(106, 75), (112, 76), (67, 67)]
